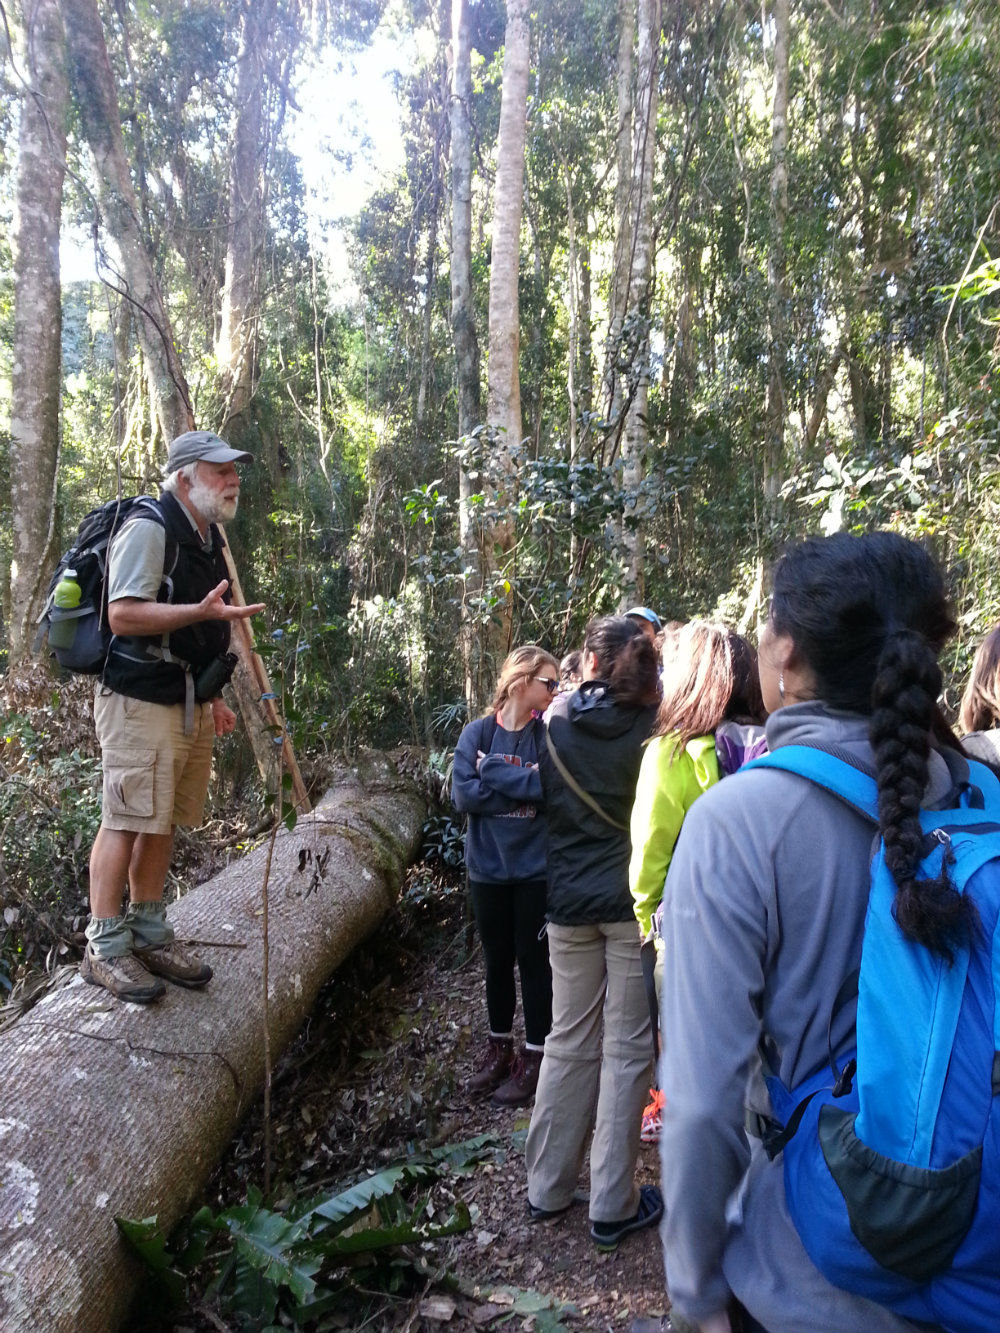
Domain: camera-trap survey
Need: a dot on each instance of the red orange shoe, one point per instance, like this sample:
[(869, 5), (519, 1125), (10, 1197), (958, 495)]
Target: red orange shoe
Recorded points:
[(652, 1117)]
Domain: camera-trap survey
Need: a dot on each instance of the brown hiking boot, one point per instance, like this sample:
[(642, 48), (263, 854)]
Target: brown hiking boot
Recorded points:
[(494, 1066), (176, 964), (124, 976), (520, 1087)]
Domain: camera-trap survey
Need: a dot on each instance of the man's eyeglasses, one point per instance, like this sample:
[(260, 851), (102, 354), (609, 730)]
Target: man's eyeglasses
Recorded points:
[(550, 684)]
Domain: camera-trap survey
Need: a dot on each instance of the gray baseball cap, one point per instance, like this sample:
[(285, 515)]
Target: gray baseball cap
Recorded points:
[(196, 446)]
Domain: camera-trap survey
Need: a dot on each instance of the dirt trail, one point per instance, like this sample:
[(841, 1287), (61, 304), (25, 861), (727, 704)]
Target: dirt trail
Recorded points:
[(379, 1072)]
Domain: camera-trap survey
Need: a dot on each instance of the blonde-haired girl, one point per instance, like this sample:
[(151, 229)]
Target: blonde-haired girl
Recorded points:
[(497, 784)]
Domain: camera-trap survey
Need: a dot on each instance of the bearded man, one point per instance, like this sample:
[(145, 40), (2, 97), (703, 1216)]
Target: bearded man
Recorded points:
[(158, 708)]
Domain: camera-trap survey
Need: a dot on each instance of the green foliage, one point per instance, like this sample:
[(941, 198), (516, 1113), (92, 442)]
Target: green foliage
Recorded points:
[(443, 841), (349, 526), (301, 1263), (49, 813)]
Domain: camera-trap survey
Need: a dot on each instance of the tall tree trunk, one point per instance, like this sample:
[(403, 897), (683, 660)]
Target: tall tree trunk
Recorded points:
[(680, 379), (36, 373), (236, 347), (427, 318), (463, 328), (584, 447), (585, 378), (636, 438), (614, 384), (573, 268), (503, 402), (97, 100), (824, 383), (441, 98), (775, 406)]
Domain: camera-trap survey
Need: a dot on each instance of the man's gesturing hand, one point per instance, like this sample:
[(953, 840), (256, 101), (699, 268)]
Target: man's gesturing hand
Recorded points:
[(213, 607)]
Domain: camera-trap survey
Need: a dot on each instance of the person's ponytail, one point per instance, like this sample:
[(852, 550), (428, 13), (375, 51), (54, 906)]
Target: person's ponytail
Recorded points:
[(626, 658)]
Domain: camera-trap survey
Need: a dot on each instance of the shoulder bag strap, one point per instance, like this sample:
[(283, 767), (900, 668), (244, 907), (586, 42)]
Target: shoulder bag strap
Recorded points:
[(575, 787)]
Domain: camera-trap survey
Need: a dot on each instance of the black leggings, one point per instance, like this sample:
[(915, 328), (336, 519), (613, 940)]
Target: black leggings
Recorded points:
[(510, 917)]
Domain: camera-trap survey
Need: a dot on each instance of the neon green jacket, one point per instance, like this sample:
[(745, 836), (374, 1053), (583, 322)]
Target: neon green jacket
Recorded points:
[(669, 784)]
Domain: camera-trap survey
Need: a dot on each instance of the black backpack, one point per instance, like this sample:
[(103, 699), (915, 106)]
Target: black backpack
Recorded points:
[(88, 556)]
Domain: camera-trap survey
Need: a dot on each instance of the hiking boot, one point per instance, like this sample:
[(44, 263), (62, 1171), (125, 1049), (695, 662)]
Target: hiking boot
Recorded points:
[(176, 964), (494, 1066), (124, 976), (520, 1087)]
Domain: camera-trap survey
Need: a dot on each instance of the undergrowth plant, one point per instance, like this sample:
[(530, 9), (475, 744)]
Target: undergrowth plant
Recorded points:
[(309, 1263), (50, 809)]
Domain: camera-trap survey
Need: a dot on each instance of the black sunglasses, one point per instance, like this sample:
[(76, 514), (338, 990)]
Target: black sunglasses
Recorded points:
[(550, 684)]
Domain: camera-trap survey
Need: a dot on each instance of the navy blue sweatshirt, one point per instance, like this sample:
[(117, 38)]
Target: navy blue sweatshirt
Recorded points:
[(506, 838)]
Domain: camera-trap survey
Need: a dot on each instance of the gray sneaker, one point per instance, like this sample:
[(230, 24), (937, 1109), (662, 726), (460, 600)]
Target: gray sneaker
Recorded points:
[(124, 976), (176, 964)]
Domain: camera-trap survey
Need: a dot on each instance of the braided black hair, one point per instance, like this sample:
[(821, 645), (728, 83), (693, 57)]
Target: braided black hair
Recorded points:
[(869, 616)]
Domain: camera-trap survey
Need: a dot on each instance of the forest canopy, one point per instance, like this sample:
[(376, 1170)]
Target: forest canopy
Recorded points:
[(655, 289)]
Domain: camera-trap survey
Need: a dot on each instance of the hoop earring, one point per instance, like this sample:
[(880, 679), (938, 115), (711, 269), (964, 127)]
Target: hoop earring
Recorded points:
[(781, 686)]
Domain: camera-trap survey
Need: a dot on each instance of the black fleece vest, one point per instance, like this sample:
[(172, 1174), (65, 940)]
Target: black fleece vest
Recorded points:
[(135, 666)]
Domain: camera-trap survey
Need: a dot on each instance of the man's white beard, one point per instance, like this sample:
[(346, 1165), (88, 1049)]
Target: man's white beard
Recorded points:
[(212, 506)]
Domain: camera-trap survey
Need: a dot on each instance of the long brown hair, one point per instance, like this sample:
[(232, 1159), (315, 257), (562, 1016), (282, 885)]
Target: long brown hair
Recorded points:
[(710, 674), (980, 710), (626, 659), (521, 664)]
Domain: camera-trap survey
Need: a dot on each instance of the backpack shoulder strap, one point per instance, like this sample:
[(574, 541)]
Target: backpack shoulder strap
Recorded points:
[(143, 507), (148, 508), (833, 769), (985, 779)]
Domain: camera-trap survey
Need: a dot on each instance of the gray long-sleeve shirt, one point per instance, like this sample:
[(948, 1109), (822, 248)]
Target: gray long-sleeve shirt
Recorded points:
[(764, 909)]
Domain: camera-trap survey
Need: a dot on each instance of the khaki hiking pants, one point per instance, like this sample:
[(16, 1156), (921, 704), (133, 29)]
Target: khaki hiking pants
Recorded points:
[(588, 1082)]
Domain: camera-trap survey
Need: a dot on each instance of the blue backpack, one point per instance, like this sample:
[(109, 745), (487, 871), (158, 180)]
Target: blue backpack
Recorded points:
[(892, 1164)]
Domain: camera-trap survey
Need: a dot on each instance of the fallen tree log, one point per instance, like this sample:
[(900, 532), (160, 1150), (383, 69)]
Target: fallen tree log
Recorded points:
[(111, 1109)]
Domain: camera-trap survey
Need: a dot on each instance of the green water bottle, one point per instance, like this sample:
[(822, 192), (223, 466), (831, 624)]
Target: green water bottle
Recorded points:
[(62, 629)]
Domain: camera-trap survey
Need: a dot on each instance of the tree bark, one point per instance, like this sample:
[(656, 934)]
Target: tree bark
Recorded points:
[(503, 396), (775, 409), (439, 98), (824, 383), (585, 379), (97, 101), (236, 346), (116, 1110), (636, 437), (503, 403), (463, 328), (36, 378), (615, 396)]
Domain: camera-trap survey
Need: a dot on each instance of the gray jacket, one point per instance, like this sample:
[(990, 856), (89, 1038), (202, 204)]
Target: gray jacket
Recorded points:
[(764, 908)]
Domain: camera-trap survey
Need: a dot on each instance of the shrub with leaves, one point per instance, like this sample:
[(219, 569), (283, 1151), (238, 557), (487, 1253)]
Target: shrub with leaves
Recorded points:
[(304, 1263), (50, 809)]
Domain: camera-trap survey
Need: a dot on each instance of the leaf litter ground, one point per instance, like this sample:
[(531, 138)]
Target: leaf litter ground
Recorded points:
[(376, 1075)]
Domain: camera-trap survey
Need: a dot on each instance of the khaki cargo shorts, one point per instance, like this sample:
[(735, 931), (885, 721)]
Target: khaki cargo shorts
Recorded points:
[(154, 775)]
